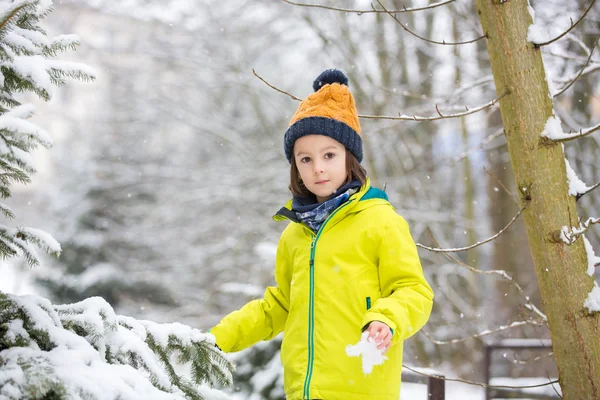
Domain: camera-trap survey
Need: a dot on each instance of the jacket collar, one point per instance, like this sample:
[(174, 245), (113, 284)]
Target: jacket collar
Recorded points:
[(367, 196)]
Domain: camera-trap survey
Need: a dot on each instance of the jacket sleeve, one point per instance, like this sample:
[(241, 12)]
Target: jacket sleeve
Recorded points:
[(260, 319), (406, 297)]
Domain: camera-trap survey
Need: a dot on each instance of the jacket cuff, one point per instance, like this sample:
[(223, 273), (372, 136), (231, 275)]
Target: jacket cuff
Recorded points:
[(221, 340)]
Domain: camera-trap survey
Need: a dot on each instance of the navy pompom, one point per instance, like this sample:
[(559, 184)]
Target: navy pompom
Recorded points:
[(328, 77)]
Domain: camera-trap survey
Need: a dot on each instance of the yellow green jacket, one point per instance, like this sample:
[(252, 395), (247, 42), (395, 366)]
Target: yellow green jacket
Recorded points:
[(361, 266)]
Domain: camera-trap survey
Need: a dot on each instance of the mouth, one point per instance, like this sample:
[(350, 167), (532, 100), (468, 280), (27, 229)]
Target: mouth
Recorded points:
[(321, 182)]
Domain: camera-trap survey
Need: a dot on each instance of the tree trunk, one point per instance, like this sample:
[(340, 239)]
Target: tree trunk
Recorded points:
[(540, 175)]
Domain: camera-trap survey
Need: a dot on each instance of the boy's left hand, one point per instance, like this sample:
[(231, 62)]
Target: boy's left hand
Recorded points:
[(381, 334)]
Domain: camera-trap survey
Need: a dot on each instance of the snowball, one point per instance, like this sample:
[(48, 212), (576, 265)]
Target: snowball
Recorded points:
[(367, 348)]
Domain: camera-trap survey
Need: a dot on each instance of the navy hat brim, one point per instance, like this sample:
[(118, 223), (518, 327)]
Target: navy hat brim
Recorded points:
[(332, 128)]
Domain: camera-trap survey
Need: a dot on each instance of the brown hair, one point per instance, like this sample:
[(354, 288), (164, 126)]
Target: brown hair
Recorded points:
[(354, 171)]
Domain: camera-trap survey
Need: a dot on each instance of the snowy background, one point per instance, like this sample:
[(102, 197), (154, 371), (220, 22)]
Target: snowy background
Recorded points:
[(165, 171)]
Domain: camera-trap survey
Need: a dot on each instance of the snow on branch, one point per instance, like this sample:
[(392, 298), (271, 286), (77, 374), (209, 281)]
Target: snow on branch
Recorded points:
[(580, 195), (391, 14), (593, 260), (62, 43), (11, 12), (553, 131), (24, 52), (6, 211), (570, 236), (13, 123), (592, 302), (360, 12), (85, 350), (42, 239), (539, 42), (14, 242), (452, 250), (576, 185)]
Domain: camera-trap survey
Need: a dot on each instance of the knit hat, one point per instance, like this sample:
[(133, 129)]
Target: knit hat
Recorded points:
[(330, 111)]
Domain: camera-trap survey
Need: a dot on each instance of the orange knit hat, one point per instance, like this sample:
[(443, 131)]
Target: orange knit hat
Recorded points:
[(330, 111)]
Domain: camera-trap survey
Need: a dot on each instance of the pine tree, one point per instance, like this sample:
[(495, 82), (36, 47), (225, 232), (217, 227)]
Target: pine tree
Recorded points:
[(259, 373), (81, 350)]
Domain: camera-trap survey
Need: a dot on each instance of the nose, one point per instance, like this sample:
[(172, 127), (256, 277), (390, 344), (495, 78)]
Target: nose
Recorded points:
[(317, 168)]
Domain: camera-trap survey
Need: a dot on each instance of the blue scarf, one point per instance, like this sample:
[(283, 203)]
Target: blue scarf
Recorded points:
[(313, 213)]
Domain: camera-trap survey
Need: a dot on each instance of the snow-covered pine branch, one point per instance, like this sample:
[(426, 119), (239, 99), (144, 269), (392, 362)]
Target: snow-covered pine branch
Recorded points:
[(24, 52), (85, 350)]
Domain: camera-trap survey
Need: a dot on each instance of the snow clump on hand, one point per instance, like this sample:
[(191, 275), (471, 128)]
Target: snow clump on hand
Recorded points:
[(367, 348)]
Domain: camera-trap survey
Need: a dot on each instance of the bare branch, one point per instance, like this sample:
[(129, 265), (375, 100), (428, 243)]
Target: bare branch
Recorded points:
[(360, 12), (478, 82), (485, 333), (570, 237), (273, 87), (439, 116), (439, 250), (573, 25), (391, 14), (403, 117), (533, 360), (566, 137), (483, 385), (587, 62), (508, 192), (501, 273), (580, 195), (486, 140), (569, 57), (589, 70), (580, 43)]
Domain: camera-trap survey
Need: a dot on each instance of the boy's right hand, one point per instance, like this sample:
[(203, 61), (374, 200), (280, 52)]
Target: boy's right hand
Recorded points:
[(381, 334)]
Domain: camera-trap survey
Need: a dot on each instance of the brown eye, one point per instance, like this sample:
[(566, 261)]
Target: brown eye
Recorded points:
[(329, 155), (305, 159)]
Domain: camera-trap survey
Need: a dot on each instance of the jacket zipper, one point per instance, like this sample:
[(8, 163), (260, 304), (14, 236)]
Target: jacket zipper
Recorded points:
[(311, 304)]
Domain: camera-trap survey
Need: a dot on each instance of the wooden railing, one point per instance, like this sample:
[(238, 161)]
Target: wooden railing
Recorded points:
[(511, 344)]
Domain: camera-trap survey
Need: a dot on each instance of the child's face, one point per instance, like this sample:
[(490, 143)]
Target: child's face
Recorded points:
[(321, 162)]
